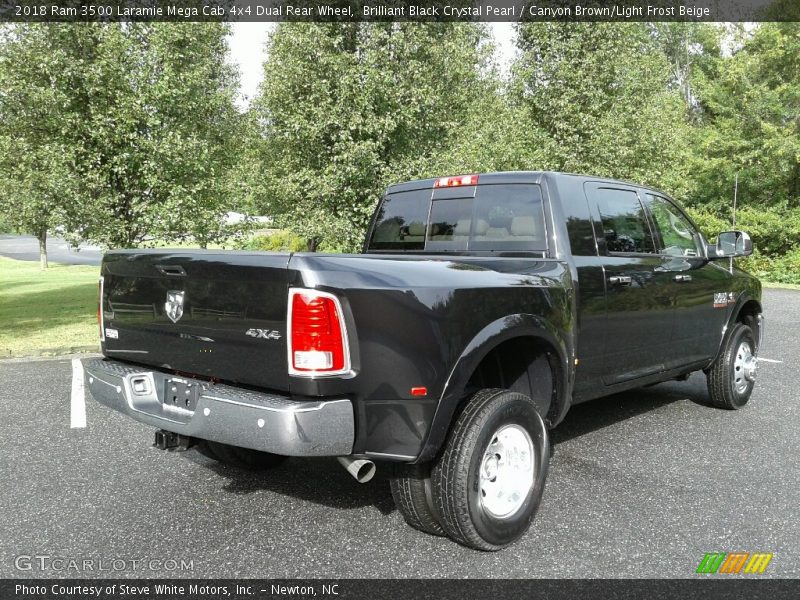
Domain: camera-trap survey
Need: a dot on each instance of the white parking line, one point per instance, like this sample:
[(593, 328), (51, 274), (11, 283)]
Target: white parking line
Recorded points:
[(770, 360), (77, 401)]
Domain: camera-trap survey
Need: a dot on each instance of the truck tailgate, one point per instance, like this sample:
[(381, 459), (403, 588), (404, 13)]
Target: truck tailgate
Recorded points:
[(212, 313)]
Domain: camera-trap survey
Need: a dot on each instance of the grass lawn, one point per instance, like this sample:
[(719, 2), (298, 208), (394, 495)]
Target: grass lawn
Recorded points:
[(47, 312)]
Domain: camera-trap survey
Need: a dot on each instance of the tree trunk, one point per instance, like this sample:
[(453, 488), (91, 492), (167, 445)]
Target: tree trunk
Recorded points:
[(42, 237), (312, 244)]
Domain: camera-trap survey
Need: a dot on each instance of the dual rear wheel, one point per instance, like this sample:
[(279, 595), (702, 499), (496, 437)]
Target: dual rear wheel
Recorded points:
[(484, 489)]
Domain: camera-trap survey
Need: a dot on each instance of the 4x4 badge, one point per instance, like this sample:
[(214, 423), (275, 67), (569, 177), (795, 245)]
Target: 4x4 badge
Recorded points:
[(265, 334), (173, 307)]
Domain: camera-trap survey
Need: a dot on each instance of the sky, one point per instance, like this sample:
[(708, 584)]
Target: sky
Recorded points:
[(247, 51)]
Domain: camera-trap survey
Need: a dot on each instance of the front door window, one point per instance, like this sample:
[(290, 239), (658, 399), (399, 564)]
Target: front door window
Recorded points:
[(678, 236)]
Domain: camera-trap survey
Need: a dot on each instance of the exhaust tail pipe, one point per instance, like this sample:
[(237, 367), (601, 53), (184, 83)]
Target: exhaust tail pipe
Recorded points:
[(360, 468)]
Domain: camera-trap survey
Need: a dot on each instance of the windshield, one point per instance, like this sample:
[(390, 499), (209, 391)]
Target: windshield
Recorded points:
[(501, 217)]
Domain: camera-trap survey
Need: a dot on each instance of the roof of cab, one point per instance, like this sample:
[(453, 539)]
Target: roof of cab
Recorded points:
[(499, 177), (483, 178)]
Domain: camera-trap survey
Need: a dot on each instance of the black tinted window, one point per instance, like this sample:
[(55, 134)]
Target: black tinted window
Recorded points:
[(451, 220), (509, 217), (678, 236), (491, 217), (401, 221), (575, 210), (625, 226)]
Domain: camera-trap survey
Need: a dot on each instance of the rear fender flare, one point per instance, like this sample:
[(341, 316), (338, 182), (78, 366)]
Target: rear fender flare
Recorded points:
[(491, 336)]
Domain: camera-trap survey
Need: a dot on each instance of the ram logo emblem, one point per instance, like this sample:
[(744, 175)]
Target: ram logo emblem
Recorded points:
[(173, 307)]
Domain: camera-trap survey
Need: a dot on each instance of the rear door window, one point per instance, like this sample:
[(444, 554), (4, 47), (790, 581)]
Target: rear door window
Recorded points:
[(401, 222)]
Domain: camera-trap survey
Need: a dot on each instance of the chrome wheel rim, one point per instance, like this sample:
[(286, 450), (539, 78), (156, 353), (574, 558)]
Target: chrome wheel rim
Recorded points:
[(507, 471), (745, 365)]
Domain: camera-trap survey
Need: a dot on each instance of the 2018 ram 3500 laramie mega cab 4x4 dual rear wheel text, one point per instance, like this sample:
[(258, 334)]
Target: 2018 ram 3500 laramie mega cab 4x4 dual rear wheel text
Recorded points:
[(481, 308)]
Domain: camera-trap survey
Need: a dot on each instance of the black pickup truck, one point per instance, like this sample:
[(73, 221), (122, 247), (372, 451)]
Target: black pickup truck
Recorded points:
[(481, 308)]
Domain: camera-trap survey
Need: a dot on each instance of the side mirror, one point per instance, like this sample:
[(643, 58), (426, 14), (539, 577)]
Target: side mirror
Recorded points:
[(733, 243)]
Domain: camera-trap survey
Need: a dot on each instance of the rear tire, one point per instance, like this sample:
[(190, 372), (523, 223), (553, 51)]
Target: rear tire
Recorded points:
[(732, 376), (243, 458), (412, 494), (489, 480)]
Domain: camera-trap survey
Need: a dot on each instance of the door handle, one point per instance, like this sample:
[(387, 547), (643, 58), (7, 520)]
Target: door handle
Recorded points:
[(682, 278), (619, 280), (171, 270)]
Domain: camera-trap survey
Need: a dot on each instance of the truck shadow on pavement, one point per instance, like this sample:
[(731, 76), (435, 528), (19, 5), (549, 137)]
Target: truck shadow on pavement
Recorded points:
[(323, 481), (319, 480), (604, 412)]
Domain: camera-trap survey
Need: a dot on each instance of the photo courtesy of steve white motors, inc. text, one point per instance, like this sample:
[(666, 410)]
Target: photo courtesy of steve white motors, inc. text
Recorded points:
[(194, 590)]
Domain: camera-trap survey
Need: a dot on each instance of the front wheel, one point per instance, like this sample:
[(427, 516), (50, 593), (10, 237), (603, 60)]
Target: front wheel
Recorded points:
[(488, 483), (732, 376)]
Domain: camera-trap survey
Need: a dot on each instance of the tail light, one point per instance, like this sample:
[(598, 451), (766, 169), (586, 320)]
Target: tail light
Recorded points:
[(317, 335), (100, 310)]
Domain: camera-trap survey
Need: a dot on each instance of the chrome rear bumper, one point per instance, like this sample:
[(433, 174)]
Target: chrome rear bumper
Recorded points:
[(224, 413)]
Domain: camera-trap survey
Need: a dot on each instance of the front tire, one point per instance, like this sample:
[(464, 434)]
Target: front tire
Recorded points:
[(732, 376), (488, 483)]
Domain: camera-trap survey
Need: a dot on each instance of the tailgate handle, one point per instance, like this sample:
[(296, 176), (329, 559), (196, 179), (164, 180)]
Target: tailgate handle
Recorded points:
[(171, 270)]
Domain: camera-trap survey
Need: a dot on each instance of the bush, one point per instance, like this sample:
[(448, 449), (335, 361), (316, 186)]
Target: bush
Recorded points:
[(775, 231), (286, 241), (778, 269), (279, 241), (776, 239), (785, 269), (332, 247)]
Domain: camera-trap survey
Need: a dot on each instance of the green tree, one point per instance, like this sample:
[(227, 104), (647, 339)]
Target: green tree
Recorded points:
[(138, 119), (346, 109), (750, 128), (601, 93), (690, 49), (751, 123), (37, 179), (494, 137), (160, 138)]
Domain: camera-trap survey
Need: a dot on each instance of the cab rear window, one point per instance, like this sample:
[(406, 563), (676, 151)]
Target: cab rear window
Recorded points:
[(500, 217)]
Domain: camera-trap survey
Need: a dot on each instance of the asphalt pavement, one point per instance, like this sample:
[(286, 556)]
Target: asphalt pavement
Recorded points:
[(26, 247), (641, 484)]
